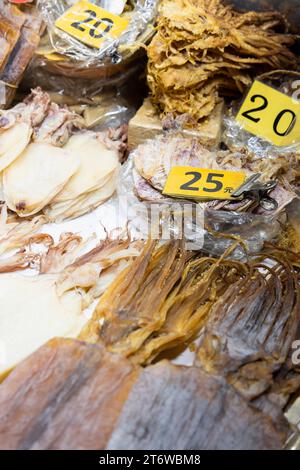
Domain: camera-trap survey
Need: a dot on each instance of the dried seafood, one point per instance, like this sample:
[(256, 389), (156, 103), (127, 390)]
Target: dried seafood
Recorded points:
[(71, 276), (252, 326), (71, 395), (154, 159), (15, 233), (74, 396), (43, 163), (179, 291), (185, 292), (204, 49), (171, 407), (35, 178), (93, 183)]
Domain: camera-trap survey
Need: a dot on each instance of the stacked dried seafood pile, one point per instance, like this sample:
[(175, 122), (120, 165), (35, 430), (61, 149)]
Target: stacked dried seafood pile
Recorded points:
[(20, 31), (46, 165), (242, 375), (204, 49)]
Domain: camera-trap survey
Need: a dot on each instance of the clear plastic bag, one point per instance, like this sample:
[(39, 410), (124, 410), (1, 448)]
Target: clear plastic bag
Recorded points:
[(84, 77), (202, 229), (142, 15)]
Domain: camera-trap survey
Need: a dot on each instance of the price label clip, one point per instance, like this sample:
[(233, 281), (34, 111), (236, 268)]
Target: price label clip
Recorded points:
[(202, 183), (270, 114), (91, 24), (258, 191)]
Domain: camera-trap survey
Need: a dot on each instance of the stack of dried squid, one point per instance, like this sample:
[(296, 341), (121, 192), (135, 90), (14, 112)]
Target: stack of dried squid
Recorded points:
[(49, 161), (204, 49), (246, 318)]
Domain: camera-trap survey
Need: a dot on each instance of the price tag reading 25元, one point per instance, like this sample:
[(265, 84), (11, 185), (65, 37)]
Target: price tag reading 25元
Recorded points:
[(202, 183), (270, 114), (91, 24)]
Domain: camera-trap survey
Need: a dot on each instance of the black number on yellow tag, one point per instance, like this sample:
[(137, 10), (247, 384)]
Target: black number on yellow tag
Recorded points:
[(106, 21), (290, 126), (247, 114), (188, 186), (277, 115), (211, 179), (91, 17)]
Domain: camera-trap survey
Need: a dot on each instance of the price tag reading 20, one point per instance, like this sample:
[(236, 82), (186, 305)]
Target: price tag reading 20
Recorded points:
[(270, 114), (91, 24), (202, 183)]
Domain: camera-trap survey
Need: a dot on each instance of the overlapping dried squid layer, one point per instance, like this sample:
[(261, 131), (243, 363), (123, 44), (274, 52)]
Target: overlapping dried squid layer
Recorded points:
[(253, 307), (166, 305), (204, 49)]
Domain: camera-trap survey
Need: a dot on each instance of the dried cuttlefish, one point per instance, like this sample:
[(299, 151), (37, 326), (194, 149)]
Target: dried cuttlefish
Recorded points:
[(204, 49), (161, 300)]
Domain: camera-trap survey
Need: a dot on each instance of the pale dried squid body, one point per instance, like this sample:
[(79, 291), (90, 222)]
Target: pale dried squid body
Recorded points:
[(32, 181), (154, 159)]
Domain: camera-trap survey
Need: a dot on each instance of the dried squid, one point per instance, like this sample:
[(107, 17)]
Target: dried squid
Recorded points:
[(93, 182), (166, 305), (154, 159), (32, 312), (204, 49), (252, 326), (36, 177)]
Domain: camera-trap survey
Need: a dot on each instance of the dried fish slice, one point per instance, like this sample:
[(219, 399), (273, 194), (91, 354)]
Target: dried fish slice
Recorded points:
[(13, 142), (84, 203), (97, 164), (36, 177), (35, 315)]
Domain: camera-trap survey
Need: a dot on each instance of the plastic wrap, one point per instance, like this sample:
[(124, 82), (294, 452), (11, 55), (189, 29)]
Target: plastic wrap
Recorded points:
[(238, 139), (202, 229), (78, 75), (142, 15), (101, 106)]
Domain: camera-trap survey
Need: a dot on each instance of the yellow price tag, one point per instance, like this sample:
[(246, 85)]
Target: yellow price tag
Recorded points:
[(270, 114), (91, 24), (203, 183)]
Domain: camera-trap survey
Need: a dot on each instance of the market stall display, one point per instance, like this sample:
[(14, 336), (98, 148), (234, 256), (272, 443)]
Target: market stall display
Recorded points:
[(149, 262)]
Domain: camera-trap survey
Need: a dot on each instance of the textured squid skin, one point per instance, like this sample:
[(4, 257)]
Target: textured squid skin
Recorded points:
[(67, 395), (184, 408), (74, 395)]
